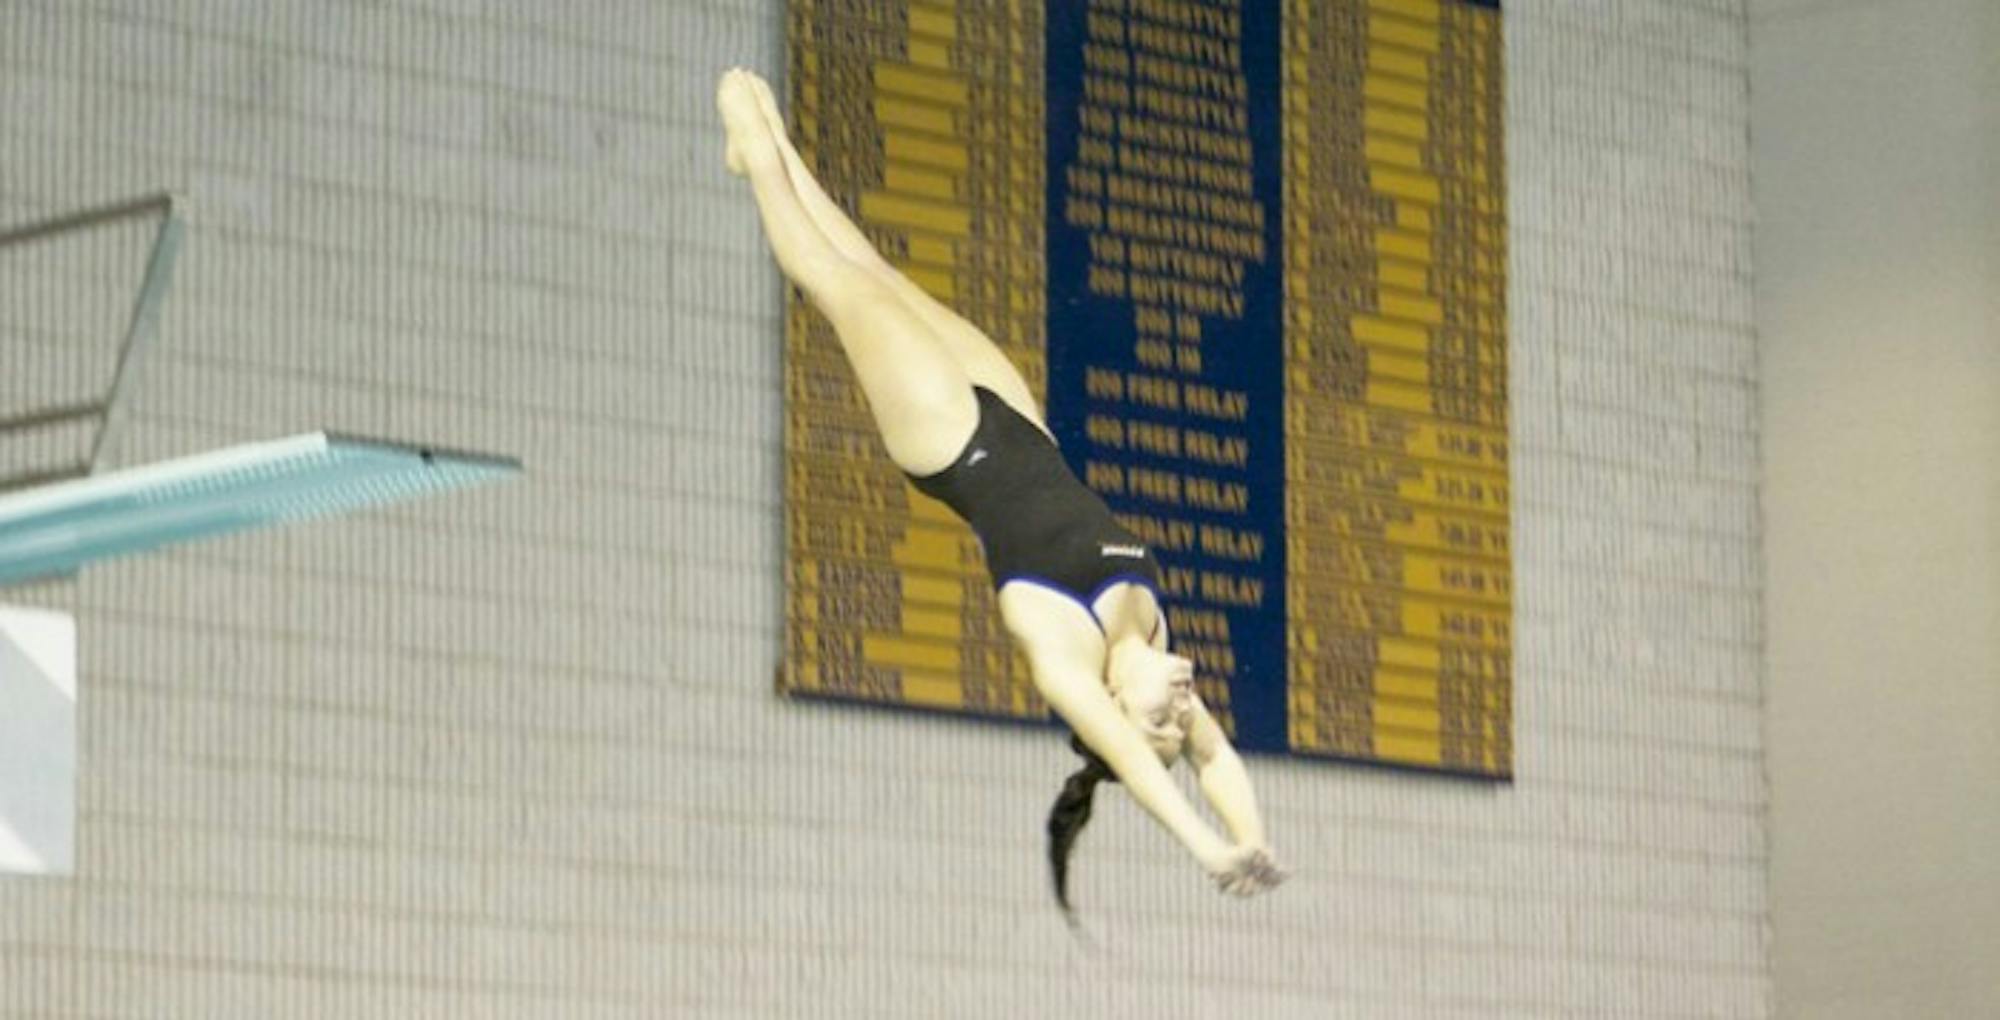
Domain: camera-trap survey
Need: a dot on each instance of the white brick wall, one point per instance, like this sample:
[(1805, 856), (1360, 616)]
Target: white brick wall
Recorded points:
[(515, 753)]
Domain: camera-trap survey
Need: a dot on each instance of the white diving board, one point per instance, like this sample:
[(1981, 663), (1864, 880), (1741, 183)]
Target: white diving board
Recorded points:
[(54, 529)]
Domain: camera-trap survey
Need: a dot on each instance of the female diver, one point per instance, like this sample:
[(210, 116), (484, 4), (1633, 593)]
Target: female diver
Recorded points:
[(1077, 592)]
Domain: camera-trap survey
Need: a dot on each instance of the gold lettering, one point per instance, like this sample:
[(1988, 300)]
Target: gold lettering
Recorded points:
[(1224, 589), (1223, 497), (1209, 402), (1103, 477), (1158, 486), (1103, 384), (1228, 451), (1104, 430), (1197, 624), (1232, 543), (1159, 440), (1153, 391)]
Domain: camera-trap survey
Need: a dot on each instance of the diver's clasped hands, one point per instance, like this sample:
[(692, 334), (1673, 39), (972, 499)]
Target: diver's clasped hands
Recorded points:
[(1246, 870)]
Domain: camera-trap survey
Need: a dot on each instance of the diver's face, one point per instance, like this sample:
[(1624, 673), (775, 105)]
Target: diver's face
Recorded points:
[(1153, 690)]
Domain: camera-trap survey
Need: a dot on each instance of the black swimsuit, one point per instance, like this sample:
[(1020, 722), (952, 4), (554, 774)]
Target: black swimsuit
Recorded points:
[(1037, 522)]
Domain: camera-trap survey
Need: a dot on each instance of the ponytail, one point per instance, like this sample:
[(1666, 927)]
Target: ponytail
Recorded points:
[(1070, 814)]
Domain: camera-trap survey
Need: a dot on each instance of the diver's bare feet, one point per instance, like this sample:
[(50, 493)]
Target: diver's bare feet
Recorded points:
[(767, 102), (825, 214), (743, 119)]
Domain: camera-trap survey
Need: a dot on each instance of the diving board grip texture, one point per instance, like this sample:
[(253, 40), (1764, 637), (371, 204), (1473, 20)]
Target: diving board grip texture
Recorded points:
[(61, 527)]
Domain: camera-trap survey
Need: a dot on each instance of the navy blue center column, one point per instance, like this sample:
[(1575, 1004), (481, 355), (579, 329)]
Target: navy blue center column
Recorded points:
[(1165, 345)]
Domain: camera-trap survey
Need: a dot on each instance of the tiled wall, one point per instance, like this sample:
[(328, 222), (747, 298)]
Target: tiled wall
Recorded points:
[(515, 753)]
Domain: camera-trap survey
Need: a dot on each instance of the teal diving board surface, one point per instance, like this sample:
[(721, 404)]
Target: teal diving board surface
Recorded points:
[(55, 529)]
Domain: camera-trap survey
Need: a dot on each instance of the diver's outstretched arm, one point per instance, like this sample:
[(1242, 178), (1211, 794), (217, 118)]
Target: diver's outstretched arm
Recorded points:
[(1066, 656), (1225, 783)]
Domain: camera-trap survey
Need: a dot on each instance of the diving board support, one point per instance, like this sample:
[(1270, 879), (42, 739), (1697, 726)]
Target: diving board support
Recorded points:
[(144, 320), (140, 326)]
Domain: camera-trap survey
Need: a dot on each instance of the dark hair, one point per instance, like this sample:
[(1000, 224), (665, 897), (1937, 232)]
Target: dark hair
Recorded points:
[(1069, 815)]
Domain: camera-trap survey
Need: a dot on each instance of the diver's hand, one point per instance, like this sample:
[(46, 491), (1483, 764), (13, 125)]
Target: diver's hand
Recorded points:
[(1245, 870), (1269, 873)]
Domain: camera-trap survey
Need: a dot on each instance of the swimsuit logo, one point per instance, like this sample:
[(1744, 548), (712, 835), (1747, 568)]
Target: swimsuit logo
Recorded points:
[(1137, 552), (978, 455)]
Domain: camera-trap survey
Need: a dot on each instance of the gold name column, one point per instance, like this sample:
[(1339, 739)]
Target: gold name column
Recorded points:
[(1476, 668), (912, 115), (1396, 475)]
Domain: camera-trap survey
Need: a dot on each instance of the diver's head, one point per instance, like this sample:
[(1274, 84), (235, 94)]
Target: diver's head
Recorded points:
[(1153, 689)]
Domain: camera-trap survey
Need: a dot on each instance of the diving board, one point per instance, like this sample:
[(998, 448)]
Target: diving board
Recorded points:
[(59, 515), (55, 529)]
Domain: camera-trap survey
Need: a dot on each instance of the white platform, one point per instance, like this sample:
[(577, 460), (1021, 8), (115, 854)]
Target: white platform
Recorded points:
[(37, 741)]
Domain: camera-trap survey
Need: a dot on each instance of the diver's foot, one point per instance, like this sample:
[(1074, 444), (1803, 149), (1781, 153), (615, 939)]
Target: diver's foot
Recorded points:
[(767, 104), (743, 119)]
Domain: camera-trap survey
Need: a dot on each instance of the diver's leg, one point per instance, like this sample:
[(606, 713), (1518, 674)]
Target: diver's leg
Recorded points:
[(983, 361), (920, 395)]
